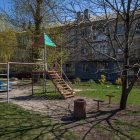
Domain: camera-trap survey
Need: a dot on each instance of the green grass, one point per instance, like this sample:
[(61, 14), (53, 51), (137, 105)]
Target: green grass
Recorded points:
[(17, 123), (94, 90)]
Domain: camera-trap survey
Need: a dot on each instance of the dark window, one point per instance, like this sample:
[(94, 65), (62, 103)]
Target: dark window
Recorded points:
[(68, 68), (85, 33), (120, 29), (84, 51), (94, 37), (100, 66), (85, 68), (103, 48), (138, 28)]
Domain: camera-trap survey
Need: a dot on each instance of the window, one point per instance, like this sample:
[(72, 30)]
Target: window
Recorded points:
[(119, 51), (100, 48), (103, 48), (94, 37), (138, 28), (101, 36), (85, 68), (68, 68), (94, 47), (100, 66), (85, 33), (84, 51), (120, 29)]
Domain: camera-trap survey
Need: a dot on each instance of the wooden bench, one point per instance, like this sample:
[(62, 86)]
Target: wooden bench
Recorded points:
[(109, 98), (98, 103)]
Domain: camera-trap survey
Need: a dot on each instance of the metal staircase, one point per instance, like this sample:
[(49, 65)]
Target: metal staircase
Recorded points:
[(61, 85)]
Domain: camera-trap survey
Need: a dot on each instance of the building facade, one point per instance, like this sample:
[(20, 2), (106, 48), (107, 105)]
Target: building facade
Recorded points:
[(90, 52)]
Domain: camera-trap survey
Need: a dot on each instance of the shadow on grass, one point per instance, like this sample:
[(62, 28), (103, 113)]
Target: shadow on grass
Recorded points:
[(16, 123), (50, 95), (25, 125), (103, 121), (106, 121)]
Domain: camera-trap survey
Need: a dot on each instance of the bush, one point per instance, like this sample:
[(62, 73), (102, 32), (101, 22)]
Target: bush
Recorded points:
[(91, 81), (119, 81), (103, 79), (77, 80)]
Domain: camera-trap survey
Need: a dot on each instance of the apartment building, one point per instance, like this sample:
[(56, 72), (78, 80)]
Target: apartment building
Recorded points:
[(90, 52)]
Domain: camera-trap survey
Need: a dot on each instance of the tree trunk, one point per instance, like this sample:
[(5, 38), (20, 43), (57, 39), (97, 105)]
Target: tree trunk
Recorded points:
[(38, 21), (125, 73), (123, 101)]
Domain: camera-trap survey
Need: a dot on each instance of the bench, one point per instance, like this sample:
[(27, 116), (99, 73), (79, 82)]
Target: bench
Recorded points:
[(98, 103), (109, 98)]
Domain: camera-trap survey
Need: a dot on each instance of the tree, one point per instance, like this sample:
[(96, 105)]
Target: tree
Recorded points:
[(123, 46), (34, 15), (59, 54), (127, 13), (7, 45)]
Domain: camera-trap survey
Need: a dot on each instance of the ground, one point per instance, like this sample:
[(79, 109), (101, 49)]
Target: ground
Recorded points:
[(109, 123)]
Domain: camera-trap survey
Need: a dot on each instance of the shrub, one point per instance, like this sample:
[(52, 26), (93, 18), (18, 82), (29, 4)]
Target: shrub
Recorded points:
[(91, 81), (119, 81), (77, 80), (103, 79)]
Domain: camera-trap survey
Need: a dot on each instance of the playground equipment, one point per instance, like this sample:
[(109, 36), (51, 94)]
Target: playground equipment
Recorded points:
[(59, 80), (3, 86), (62, 85)]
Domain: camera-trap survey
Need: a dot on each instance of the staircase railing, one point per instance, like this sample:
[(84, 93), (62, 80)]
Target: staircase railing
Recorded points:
[(62, 73)]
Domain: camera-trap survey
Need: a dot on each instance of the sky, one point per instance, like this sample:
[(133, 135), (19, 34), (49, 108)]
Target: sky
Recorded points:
[(5, 5)]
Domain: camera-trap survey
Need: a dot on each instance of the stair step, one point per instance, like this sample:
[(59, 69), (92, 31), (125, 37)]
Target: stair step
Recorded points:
[(67, 94), (58, 80), (61, 85), (52, 72), (66, 91), (54, 76), (66, 88)]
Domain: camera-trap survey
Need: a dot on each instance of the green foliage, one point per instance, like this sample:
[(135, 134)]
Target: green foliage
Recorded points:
[(77, 80), (7, 44), (91, 81), (119, 81), (103, 79), (100, 90), (55, 55)]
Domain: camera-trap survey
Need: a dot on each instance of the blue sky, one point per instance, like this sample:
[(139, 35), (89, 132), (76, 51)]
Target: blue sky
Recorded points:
[(5, 4)]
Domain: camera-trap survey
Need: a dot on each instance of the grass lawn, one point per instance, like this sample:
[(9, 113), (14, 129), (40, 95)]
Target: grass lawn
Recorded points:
[(19, 124), (107, 124), (126, 123), (94, 90)]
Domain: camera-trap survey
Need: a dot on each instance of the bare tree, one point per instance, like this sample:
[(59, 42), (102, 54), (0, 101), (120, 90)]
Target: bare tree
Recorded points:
[(118, 21)]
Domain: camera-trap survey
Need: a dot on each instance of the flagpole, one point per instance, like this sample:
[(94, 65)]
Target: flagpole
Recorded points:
[(45, 65), (61, 56)]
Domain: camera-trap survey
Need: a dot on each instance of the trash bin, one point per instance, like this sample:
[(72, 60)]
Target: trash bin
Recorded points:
[(80, 109)]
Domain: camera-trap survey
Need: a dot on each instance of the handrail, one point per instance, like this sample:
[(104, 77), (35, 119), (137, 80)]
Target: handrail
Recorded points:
[(63, 73)]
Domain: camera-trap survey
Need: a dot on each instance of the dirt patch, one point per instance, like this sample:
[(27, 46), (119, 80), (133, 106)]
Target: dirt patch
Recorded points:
[(105, 124)]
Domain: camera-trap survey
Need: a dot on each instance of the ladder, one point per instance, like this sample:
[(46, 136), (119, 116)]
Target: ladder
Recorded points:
[(61, 85)]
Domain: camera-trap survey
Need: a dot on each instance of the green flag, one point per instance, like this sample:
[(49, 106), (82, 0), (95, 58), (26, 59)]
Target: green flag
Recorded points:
[(48, 41)]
